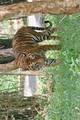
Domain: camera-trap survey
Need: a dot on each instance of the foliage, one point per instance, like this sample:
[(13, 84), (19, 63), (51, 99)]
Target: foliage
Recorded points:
[(12, 83), (65, 102)]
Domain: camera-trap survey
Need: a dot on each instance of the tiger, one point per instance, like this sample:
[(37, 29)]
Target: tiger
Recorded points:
[(29, 55)]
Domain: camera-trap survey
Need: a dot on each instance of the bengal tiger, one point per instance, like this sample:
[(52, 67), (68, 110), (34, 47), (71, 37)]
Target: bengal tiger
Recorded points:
[(28, 53)]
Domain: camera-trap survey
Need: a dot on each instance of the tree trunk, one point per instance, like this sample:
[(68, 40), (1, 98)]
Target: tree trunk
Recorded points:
[(30, 82), (44, 6)]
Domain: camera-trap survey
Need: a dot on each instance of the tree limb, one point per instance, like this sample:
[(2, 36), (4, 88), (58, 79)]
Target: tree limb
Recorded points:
[(44, 6), (6, 52), (8, 67), (32, 73)]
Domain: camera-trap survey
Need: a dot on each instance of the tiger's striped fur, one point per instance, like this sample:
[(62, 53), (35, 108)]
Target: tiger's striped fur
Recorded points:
[(28, 53)]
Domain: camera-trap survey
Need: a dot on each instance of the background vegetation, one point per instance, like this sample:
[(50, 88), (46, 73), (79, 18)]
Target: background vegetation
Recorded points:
[(65, 102)]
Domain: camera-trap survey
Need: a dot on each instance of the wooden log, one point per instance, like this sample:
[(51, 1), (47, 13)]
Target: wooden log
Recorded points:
[(6, 52), (8, 67), (44, 6), (31, 81)]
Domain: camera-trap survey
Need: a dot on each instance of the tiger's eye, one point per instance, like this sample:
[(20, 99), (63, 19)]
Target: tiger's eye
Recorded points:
[(24, 55)]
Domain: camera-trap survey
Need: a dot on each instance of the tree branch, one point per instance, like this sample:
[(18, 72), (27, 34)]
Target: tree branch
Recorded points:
[(50, 6), (8, 67), (32, 73), (6, 52)]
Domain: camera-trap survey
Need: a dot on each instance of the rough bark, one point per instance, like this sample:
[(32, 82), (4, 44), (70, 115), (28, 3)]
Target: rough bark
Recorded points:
[(8, 67), (13, 71), (6, 52), (30, 82), (50, 6)]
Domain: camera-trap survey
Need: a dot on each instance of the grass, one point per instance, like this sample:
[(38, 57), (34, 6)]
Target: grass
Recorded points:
[(8, 83), (65, 102)]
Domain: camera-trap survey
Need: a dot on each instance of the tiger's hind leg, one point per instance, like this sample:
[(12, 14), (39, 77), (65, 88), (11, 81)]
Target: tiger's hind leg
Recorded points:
[(46, 62), (48, 47), (42, 61), (43, 48)]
